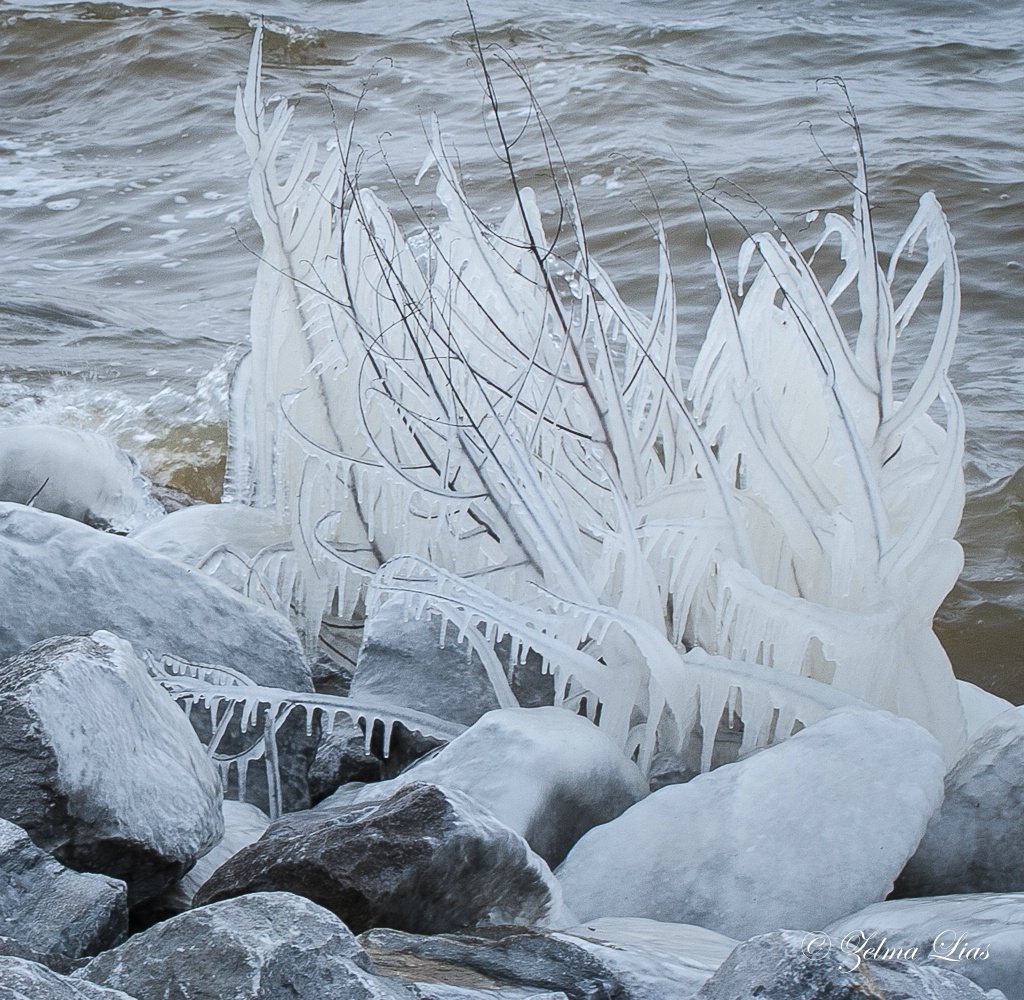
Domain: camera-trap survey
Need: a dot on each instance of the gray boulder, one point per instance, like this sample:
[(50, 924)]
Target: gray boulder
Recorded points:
[(101, 768), (342, 758), (426, 860), (568, 776), (266, 946), (402, 661), (515, 957), (21, 979), (78, 474), (791, 965), (980, 936), (974, 843), (796, 835), (54, 911), (59, 577)]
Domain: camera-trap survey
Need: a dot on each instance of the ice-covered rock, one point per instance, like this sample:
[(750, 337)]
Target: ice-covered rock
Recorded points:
[(426, 860), (980, 706), (546, 773), (794, 836), (974, 842), (79, 474), (243, 825), (265, 946), (980, 935), (793, 965), (21, 979), (53, 910), (342, 758), (60, 578), (580, 968), (100, 767), (224, 540), (407, 661)]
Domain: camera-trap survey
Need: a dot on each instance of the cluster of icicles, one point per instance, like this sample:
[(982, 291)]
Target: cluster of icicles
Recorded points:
[(447, 422)]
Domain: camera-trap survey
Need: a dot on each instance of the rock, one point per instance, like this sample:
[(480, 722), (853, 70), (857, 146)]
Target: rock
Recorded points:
[(974, 843), (569, 775), (793, 965), (426, 860), (341, 758), (78, 474), (266, 946), (504, 957), (21, 979), (980, 706), (52, 910), (60, 578), (980, 936), (243, 825), (101, 768), (733, 850), (402, 662)]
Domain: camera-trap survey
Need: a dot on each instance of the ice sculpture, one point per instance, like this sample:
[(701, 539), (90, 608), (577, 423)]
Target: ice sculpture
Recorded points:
[(475, 419)]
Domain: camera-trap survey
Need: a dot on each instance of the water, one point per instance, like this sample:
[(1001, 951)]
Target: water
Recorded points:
[(128, 255)]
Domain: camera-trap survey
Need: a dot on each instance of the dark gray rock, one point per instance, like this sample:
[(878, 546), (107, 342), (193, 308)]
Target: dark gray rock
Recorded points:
[(56, 912), (426, 860), (101, 768), (59, 577), (21, 979), (974, 843), (981, 936), (569, 775), (794, 965), (402, 662), (342, 758), (504, 957), (266, 946)]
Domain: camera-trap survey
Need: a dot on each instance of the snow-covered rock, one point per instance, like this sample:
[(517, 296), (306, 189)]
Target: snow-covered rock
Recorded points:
[(521, 958), (265, 946), (79, 474), (405, 661), (100, 767), (980, 706), (243, 825), (791, 965), (427, 860), (974, 843), (53, 910), (21, 979), (980, 935), (794, 836), (61, 578), (546, 773)]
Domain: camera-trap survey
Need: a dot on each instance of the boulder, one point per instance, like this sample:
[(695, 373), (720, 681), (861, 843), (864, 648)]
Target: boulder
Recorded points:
[(78, 474), (734, 850), (407, 661), (101, 768), (60, 578), (266, 946), (243, 825), (56, 912), (21, 979), (974, 843), (568, 775), (426, 860), (342, 758), (507, 957), (980, 936), (792, 965)]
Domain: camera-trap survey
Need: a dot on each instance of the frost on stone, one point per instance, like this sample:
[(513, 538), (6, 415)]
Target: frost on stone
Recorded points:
[(474, 420)]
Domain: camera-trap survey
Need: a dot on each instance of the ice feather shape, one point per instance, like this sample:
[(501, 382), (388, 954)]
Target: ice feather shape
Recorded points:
[(473, 419)]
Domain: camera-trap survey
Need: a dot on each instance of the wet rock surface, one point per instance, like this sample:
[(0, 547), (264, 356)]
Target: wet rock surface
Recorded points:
[(101, 768), (426, 860)]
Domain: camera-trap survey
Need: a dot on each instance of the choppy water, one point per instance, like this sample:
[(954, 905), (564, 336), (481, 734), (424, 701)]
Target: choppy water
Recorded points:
[(127, 252)]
